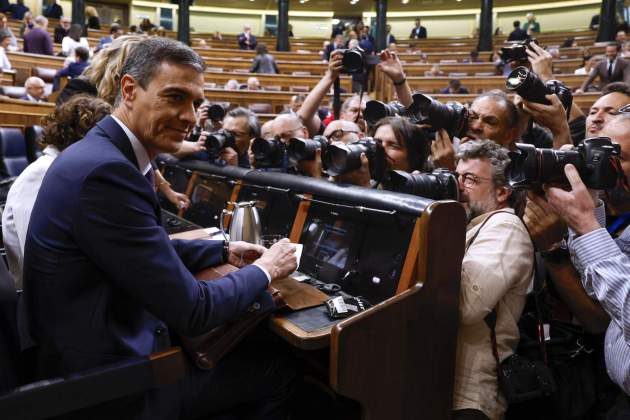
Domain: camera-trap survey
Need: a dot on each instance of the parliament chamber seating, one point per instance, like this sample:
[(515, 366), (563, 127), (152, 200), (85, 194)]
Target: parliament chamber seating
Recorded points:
[(13, 150)]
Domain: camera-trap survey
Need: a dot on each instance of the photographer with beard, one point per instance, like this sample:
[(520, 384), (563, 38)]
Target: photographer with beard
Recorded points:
[(496, 272)]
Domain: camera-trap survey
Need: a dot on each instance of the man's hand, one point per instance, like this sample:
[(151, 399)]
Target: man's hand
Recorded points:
[(335, 64), (541, 61), (202, 114), (312, 168), (575, 207), (544, 224), (181, 201), (553, 116), (391, 66), (443, 151), (579, 91), (360, 177), (279, 260), (242, 253), (229, 156)]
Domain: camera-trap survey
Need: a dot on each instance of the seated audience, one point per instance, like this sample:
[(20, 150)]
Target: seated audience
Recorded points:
[(253, 84), (66, 125), (435, 71), (612, 69), (517, 34), (216, 36), (454, 87), (73, 40), (38, 40), (74, 69), (588, 64), (473, 58), (246, 40), (115, 31), (13, 45), (570, 42), (418, 31), (146, 25), (263, 61), (62, 30), (27, 24), (621, 37), (18, 10), (34, 89), (54, 10), (496, 274), (231, 84), (105, 176), (93, 21), (5, 40)]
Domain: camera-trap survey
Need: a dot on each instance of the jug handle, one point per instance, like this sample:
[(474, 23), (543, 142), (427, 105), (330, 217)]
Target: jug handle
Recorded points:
[(224, 213)]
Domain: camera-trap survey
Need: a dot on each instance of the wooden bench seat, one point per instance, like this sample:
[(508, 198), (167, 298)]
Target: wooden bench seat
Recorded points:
[(285, 81)]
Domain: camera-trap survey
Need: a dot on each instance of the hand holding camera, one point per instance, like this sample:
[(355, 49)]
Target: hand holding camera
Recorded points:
[(553, 116), (443, 151), (391, 66), (541, 61), (361, 176), (544, 224), (335, 64)]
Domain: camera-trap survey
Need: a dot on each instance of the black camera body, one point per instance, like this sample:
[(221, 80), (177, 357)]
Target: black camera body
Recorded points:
[(353, 60), (216, 112), (343, 158), (529, 86), (377, 110), (596, 159), (304, 149), (517, 51), (452, 116), (219, 140), (441, 184), (269, 153)]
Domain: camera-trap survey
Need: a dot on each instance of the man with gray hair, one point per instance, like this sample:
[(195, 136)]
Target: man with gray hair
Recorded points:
[(38, 40), (34, 89), (121, 286), (496, 273)]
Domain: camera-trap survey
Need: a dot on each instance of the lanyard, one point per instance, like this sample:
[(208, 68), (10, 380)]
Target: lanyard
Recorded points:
[(619, 222)]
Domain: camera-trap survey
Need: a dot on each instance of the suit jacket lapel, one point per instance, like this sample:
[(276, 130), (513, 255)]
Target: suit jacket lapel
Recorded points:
[(118, 137)]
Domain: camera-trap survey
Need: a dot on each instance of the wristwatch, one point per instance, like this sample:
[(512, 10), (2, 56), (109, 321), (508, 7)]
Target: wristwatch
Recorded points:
[(226, 251)]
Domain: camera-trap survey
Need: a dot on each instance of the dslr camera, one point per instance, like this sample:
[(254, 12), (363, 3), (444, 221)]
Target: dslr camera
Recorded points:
[(441, 184), (452, 116), (269, 153), (304, 149), (353, 60), (529, 86), (215, 113), (596, 159), (517, 51), (343, 158), (377, 110), (219, 140)]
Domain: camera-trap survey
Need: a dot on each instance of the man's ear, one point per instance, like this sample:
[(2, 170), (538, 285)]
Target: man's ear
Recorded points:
[(502, 194), (128, 88)]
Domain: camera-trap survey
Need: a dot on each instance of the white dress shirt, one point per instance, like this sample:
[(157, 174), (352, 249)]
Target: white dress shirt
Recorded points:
[(5, 64), (17, 211)]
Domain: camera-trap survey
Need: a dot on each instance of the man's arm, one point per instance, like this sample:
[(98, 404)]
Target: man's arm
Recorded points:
[(501, 255), (48, 47), (591, 76)]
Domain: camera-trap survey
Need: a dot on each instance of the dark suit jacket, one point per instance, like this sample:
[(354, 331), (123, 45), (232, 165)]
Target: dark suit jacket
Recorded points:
[(621, 73), (60, 33), (420, 32), (517, 35), (330, 48), (252, 42), (54, 11), (103, 282), (38, 41)]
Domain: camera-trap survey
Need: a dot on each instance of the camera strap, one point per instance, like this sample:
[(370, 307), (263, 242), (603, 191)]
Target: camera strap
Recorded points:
[(337, 98)]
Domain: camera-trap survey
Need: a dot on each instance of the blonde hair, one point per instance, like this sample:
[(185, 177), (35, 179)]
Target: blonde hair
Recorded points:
[(104, 71), (90, 11)]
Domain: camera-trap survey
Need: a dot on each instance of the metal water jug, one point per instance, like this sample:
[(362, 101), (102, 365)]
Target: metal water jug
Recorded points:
[(245, 222)]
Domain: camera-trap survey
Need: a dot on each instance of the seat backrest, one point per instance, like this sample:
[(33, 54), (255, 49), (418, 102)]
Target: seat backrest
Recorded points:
[(32, 135), (9, 338), (260, 108), (15, 92), (273, 88), (44, 73), (13, 150), (299, 89)]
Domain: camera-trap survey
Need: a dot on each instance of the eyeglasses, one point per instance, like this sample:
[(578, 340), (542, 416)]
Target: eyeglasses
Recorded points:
[(469, 180), (624, 109), (338, 134)]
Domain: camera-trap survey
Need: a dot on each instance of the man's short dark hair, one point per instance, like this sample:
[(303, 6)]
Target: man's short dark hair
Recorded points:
[(82, 53), (615, 44), (144, 60), (455, 84), (252, 120), (114, 28), (509, 106), (620, 87), (516, 24)]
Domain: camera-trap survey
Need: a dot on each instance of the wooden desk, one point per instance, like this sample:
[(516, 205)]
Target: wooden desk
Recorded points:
[(16, 112), (7, 77), (285, 81)]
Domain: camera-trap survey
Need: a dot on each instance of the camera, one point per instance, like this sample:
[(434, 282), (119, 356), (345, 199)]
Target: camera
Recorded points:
[(353, 60), (376, 110), (268, 153), (529, 86), (452, 116), (219, 140), (304, 149), (343, 158), (517, 51), (216, 112), (441, 184), (596, 159)]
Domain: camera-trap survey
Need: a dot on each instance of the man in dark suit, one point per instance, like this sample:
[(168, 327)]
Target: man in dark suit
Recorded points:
[(37, 40), (62, 30), (246, 40), (418, 31), (54, 10), (517, 34), (119, 285), (612, 69), (18, 9), (35, 90), (337, 44)]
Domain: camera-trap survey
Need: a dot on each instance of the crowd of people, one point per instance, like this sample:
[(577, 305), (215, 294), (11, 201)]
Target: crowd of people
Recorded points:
[(140, 98)]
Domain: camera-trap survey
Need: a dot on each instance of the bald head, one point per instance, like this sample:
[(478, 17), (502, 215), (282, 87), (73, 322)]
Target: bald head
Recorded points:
[(343, 131), (266, 130), (288, 126), (35, 87)]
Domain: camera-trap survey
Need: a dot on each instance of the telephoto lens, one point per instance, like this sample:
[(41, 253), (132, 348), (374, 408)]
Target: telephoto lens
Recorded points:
[(452, 116), (268, 153), (343, 158), (216, 112), (377, 110), (527, 85), (353, 60), (441, 184), (304, 149), (596, 159), (219, 140)]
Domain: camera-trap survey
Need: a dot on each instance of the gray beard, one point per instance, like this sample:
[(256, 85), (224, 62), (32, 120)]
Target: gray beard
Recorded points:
[(477, 208)]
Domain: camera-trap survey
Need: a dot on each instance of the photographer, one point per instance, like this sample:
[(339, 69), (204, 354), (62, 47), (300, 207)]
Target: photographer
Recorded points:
[(496, 273), (614, 96)]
